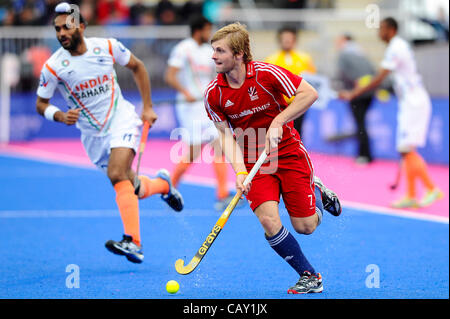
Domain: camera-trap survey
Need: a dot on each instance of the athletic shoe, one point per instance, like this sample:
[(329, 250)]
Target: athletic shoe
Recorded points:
[(405, 202), (126, 248), (430, 197), (330, 200), (221, 204), (173, 198), (307, 283)]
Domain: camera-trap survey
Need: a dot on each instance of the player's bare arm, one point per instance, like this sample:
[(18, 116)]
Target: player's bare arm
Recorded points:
[(70, 117), (357, 91), (143, 83), (233, 153), (172, 80), (305, 96)]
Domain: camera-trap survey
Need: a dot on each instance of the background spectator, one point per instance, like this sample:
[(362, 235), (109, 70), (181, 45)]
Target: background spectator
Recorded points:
[(112, 12), (87, 10), (147, 17), (136, 11), (166, 13), (190, 9), (7, 17)]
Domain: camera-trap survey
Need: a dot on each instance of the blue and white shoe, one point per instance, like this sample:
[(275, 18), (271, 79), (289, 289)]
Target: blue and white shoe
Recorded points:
[(330, 200), (126, 248), (173, 198)]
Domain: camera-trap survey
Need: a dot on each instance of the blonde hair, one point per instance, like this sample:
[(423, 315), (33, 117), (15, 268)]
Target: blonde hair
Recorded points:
[(238, 39)]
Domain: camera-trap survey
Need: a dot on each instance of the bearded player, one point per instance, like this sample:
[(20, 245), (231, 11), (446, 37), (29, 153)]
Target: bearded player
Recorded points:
[(83, 71)]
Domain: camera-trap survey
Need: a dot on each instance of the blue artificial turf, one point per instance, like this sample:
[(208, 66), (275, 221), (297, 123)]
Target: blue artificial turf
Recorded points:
[(52, 216)]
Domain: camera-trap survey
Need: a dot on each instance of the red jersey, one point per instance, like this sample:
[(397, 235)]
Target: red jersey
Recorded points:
[(250, 109)]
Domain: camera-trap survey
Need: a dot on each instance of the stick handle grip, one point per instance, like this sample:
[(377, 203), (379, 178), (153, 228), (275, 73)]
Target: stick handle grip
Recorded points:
[(255, 168)]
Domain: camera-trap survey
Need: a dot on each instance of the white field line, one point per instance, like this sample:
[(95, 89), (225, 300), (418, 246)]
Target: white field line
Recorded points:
[(81, 162), (102, 213), (107, 213), (374, 209)]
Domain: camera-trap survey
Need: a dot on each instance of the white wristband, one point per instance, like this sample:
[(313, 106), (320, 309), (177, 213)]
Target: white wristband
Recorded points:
[(50, 111)]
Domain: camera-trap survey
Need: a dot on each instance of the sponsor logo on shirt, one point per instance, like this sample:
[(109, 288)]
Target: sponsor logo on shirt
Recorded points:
[(229, 103), (93, 87), (252, 93), (250, 111), (89, 84), (65, 63), (97, 50)]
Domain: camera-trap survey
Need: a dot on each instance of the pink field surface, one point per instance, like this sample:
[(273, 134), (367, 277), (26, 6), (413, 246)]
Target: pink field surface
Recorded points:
[(365, 185)]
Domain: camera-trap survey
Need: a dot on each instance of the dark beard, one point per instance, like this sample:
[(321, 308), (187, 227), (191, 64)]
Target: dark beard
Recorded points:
[(74, 43)]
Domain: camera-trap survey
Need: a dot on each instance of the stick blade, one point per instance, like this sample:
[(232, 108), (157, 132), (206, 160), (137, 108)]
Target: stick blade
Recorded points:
[(184, 270)]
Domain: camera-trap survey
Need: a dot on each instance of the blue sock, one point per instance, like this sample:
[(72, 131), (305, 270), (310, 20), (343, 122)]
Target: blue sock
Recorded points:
[(319, 204), (288, 248)]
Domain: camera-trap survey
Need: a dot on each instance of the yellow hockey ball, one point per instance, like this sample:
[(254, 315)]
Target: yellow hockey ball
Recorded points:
[(172, 286), (383, 95), (364, 80)]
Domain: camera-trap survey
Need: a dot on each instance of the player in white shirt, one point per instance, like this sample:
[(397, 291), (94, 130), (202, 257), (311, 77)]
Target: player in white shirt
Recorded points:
[(413, 116), (83, 71), (190, 69)]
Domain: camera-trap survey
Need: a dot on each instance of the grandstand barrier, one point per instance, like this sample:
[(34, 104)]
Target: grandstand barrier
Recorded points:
[(319, 125)]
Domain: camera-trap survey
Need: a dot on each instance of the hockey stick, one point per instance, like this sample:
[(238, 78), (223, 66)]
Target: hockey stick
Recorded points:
[(179, 264), (340, 137), (144, 136), (396, 182)]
